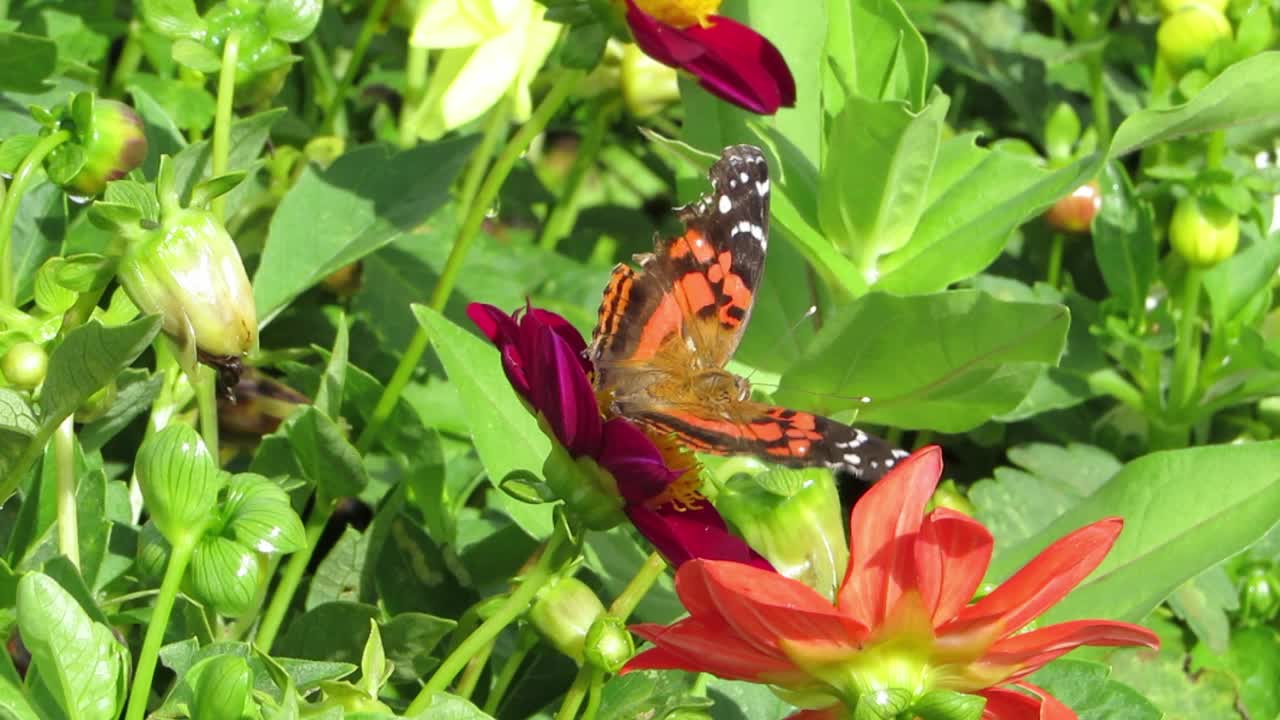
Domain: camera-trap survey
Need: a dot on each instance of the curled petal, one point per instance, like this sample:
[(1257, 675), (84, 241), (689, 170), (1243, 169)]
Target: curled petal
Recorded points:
[(710, 646), (1051, 708), (1043, 581), (503, 332), (882, 535), (563, 394), (765, 608), (564, 329), (685, 535), (952, 551), (1029, 651), (1003, 704), (730, 60), (633, 460)]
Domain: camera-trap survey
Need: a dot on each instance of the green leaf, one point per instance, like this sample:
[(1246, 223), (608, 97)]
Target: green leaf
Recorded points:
[(1252, 661), (172, 18), (17, 426), (88, 358), (1085, 687), (258, 513), (373, 662), (648, 693), (1124, 240), (336, 216), (506, 435), (136, 389), (329, 396), (180, 482), (222, 692), (874, 50), (323, 455), (1233, 284), (1203, 601), (1244, 94), (13, 150), (28, 60), (411, 638), (1205, 695), (446, 706), (333, 632), (74, 656), (248, 136), (291, 20), (193, 55), (337, 578), (224, 574), (1185, 510), (947, 361), (875, 176), (13, 704)]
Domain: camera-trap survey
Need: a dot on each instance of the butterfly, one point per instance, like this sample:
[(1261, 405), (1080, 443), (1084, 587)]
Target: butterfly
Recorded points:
[(666, 331)]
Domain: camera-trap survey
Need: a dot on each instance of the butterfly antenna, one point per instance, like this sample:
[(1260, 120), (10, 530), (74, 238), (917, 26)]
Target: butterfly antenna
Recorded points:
[(791, 331)]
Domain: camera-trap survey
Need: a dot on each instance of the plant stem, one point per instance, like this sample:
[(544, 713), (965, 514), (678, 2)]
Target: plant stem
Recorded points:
[(1053, 273), (64, 453), (493, 130), (415, 89), (292, 575), (322, 82), (358, 50), (467, 683), (528, 641), (561, 218), (23, 179), (1186, 358), (1216, 151), (641, 582), (476, 210), (206, 385), (513, 607), (594, 696), (1112, 383), (130, 57), (179, 558), (1101, 104), (574, 696), (222, 115)]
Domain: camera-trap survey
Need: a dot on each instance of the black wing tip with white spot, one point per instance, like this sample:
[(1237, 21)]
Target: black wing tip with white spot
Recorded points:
[(861, 454)]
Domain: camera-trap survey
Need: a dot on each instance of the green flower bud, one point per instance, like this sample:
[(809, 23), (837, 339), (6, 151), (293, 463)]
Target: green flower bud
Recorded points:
[(1075, 212), (609, 645), (564, 613), (24, 365), (153, 552), (222, 688), (111, 137), (225, 574), (949, 496), (1204, 233), (792, 518), (180, 482), (189, 272), (1185, 37), (1259, 595)]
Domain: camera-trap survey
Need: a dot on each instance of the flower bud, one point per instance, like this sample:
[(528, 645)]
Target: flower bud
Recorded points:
[(949, 496), (1259, 595), (1185, 37), (189, 272), (1075, 212), (609, 645), (24, 365), (1204, 233), (793, 519), (113, 143), (647, 85), (564, 613)]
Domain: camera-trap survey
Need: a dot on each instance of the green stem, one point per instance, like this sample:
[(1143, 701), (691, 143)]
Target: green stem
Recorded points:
[(323, 84), (528, 641), (494, 127), (222, 114), (561, 218), (471, 676), (513, 607), (488, 192), (1098, 98), (1053, 273), (179, 558), (1186, 358), (130, 58), (64, 452), (576, 693), (594, 696), (367, 31), (206, 385), (415, 89), (1216, 151), (292, 575), (641, 582), (26, 176), (1110, 382)]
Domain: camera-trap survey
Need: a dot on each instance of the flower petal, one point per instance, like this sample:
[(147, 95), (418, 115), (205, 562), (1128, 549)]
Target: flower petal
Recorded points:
[(1051, 708), (564, 329), (882, 533), (1003, 704), (952, 551), (710, 646), (563, 394), (634, 461), (502, 331), (730, 60), (764, 608), (690, 534), (1029, 651), (1042, 582)]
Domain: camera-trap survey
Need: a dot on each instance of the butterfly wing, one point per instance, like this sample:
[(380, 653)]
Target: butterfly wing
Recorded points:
[(777, 435), (697, 289)]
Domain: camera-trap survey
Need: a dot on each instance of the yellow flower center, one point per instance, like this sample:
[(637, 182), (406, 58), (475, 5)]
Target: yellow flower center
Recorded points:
[(680, 13)]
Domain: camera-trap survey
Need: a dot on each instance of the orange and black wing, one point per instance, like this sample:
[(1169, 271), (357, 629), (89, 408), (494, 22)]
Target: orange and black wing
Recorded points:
[(777, 435), (697, 288)]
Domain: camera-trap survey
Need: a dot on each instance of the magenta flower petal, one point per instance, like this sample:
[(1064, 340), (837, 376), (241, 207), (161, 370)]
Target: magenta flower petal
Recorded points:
[(564, 329), (631, 458), (730, 60), (563, 394), (502, 331), (683, 535)]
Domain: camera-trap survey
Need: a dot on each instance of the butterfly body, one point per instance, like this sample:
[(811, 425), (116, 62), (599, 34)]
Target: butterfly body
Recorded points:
[(666, 332)]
